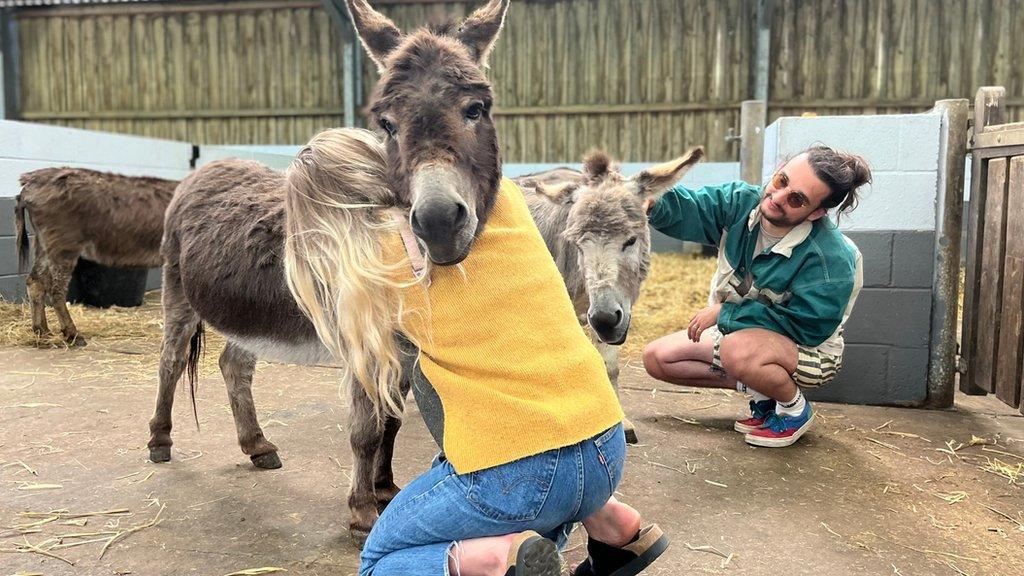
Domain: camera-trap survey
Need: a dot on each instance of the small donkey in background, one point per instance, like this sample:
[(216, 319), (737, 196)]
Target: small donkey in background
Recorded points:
[(108, 218), (596, 229)]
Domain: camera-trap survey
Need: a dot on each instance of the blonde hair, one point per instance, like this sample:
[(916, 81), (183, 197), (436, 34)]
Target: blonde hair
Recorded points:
[(336, 202)]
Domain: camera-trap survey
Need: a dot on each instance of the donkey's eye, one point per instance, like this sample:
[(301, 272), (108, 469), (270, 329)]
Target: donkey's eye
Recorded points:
[(475, 111), (629, 243), (388, 127)]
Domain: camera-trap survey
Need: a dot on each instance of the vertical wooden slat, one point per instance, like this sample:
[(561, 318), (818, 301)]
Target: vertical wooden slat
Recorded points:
[(992, 255), (557, 52), (1011, 340), (988, 110)]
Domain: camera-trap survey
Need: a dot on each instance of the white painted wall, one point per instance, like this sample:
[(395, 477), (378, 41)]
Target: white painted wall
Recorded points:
[(277, 157), (902, 150), (25, 147)]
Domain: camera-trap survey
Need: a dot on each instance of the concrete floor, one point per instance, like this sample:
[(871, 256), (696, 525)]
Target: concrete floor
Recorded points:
[(837, 503)]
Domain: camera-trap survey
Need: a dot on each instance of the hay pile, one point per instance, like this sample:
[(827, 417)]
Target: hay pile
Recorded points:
[(676, 289), (134, 332)]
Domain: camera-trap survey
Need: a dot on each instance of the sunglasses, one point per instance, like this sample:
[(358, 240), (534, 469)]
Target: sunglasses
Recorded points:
[(794, 199)]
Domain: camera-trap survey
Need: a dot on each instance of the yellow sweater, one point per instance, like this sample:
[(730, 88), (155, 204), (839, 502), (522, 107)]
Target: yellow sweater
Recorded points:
[(515, 373)]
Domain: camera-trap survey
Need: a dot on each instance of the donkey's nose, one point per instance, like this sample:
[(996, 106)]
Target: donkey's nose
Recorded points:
[(606, 320), (440, 219)]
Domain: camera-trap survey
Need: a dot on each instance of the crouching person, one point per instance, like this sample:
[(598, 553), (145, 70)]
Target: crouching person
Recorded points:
[(786, 282), (528, 423)]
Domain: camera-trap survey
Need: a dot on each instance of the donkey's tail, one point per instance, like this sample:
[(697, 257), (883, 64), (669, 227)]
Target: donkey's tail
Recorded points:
[(195, 351), (21, 235)]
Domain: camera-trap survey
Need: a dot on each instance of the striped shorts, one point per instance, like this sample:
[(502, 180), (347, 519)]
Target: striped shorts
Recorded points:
[(814, 368)]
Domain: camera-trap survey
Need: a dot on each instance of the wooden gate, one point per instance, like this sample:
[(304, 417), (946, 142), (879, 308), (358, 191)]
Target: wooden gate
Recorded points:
[(992, 347)]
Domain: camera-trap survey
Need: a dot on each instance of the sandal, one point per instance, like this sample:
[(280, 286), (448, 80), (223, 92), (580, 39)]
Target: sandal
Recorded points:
[(533, 555), (629, 560)]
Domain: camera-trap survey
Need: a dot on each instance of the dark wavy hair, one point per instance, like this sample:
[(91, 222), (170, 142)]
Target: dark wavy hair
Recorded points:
[(843, 174)]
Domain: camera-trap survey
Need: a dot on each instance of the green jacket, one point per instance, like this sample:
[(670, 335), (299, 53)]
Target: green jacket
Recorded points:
[(804, 287)]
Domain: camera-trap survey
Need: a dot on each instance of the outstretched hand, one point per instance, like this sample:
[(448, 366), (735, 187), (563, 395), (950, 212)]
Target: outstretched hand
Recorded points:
[(703, 320)]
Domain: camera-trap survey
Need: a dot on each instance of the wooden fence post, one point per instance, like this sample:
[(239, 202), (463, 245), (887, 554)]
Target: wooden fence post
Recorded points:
[(949, 208), (350, 61), (752, 119), (988, 110), (10, 66)]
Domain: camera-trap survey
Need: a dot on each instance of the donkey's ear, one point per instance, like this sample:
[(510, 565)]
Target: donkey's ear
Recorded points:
[(656, 180), (563, 193), (597, 164), (378, 34), (480, 30)]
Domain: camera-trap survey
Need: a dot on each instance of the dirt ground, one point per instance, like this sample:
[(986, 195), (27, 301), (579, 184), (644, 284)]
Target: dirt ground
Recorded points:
[(869, 491)]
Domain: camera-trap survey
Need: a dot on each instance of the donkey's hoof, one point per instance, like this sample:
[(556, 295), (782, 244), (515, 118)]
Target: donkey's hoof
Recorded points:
[(268, 461), (359, 536), (74, 341), (631, 436), (160, 454)]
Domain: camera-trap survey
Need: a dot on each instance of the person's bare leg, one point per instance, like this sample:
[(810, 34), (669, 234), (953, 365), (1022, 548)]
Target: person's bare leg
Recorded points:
[(678, 360), (480, 556), (615, 524), (763, 360)]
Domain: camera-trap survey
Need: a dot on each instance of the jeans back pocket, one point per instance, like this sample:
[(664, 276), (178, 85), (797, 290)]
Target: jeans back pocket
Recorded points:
[(514, 492), (611, 451)]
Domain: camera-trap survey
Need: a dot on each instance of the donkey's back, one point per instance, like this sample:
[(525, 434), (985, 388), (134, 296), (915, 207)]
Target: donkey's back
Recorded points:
[(223, 251), (109, 218)]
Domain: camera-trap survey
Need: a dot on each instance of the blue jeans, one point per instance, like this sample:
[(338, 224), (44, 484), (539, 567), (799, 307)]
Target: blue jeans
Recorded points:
[(547, 493)]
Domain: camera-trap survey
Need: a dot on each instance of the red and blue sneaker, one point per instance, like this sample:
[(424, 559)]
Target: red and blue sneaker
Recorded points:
[(781, 430), (759, 412)]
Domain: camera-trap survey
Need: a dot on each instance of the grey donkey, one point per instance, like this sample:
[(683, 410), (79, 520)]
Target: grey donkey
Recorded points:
[(595, 226)]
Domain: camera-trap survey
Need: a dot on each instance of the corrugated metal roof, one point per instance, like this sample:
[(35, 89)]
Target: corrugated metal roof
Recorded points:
[(31, 3)]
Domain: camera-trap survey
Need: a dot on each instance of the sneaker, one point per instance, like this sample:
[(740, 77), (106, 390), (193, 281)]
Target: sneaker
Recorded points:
[(533, 555), (781, 430), (759, 412)]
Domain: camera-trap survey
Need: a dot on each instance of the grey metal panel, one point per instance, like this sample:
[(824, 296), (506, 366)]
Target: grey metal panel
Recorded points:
[(154, 278), (12, 288), (7, 216), (8, 256)]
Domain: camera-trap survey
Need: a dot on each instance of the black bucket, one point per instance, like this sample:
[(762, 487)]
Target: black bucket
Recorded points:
[(101, 286)]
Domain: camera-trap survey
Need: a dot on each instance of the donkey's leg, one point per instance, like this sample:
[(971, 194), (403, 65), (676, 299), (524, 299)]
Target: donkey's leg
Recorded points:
[(61, 267), (384, 477), (180, 325), (237, 365), (37, 283), (610, 355), (365, 436)]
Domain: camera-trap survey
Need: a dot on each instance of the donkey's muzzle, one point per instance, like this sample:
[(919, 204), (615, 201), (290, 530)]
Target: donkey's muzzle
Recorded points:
[(440, 217), (610, 323)]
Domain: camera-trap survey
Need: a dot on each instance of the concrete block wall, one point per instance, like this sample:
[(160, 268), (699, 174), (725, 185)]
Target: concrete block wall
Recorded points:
[(887, 337), (25, 147)]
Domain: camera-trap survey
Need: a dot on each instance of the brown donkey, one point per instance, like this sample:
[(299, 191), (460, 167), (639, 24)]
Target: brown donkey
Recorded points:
[(595, 227), (108, 218), (267, 260)]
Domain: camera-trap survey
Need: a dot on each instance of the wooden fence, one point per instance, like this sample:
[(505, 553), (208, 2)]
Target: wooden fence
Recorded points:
[(992, 343), (643, 78)]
